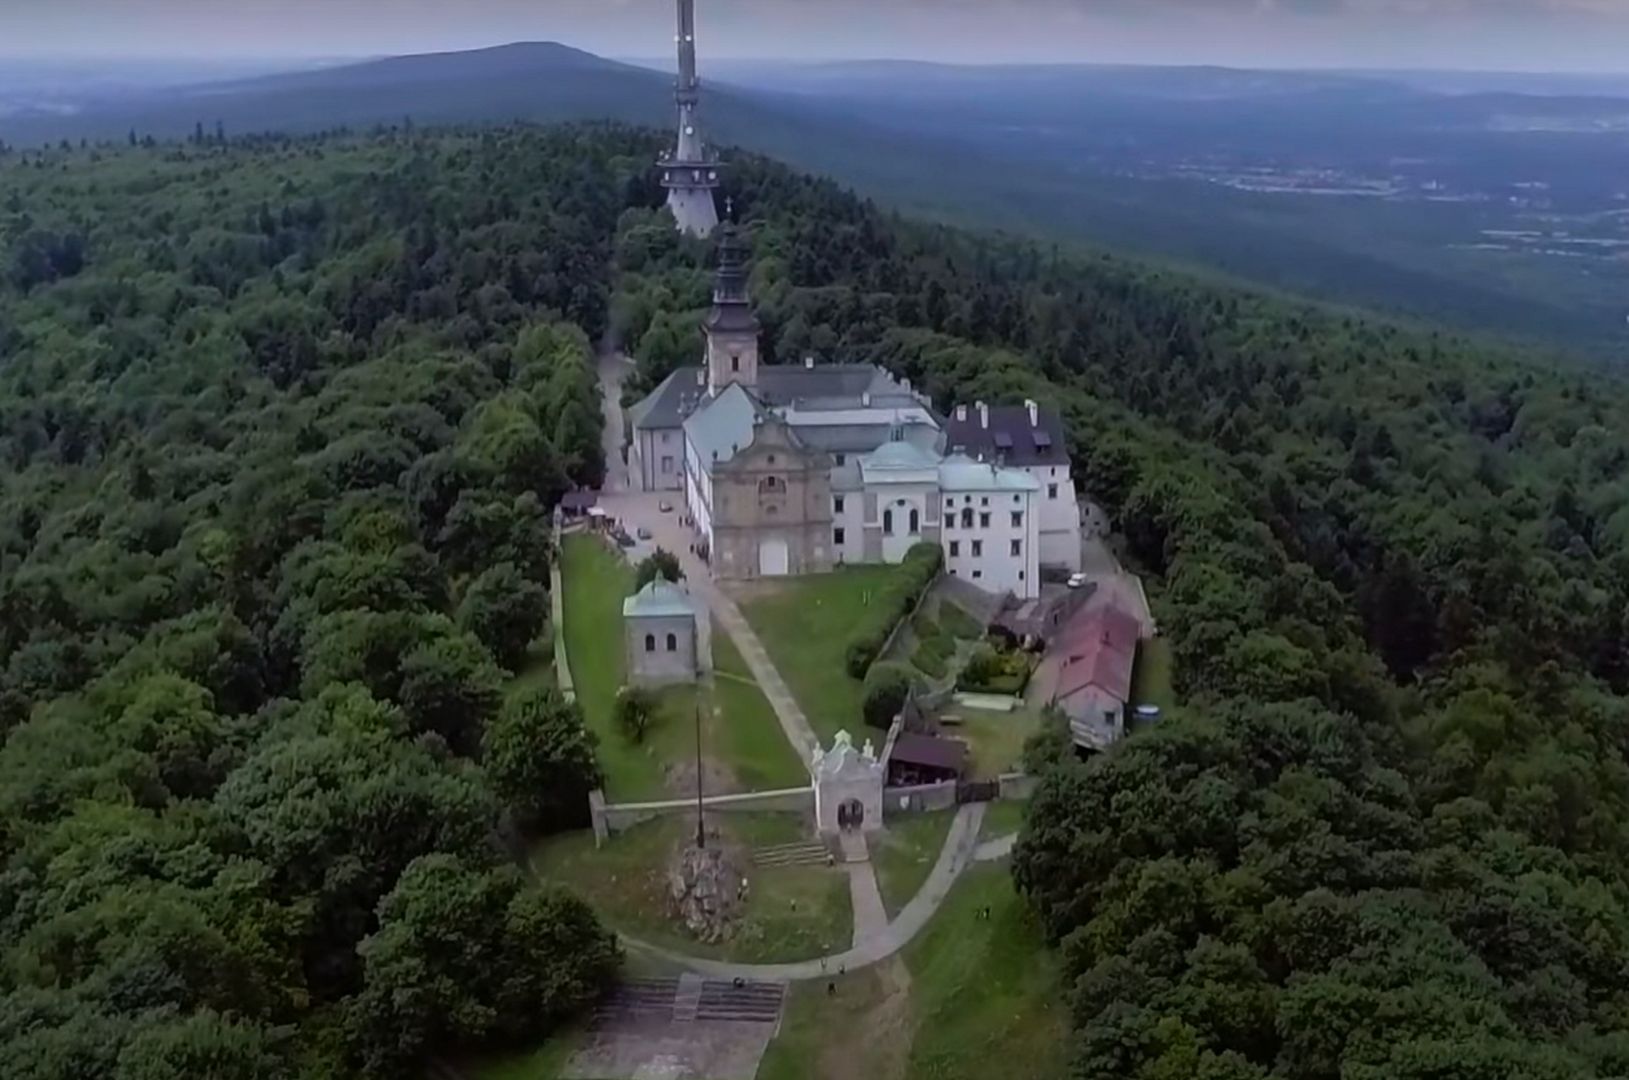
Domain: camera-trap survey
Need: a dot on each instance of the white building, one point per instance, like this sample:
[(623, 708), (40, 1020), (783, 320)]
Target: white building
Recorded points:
[(1029, 438)]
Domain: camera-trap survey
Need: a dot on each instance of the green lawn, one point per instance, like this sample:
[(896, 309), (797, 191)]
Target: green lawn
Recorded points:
[(1002, 817), (996, 738), (792, 913), (986, 993), (804, 624), (969, 999), (904, 853), (743, 736), (1151, 677), (537, 672), (749, 736)]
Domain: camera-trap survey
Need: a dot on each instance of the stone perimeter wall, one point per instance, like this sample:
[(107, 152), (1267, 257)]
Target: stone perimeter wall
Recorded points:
[(612, 818)]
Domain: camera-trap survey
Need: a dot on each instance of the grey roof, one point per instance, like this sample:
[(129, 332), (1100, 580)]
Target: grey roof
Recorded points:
[(1010, 438), (723, 427), (674, 399), (961, 473), (782, 384), (658, 599)]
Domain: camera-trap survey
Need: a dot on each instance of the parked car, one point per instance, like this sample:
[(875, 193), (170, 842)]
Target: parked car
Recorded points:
[(645, 533), (1078, 581), (666, 507)]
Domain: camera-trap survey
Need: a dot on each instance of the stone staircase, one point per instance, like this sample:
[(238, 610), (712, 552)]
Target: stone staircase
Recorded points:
[(755, 1002), (688, 999), (799, 853)]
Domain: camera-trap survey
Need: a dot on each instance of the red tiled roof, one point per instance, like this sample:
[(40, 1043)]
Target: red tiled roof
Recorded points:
[(1098, 648)]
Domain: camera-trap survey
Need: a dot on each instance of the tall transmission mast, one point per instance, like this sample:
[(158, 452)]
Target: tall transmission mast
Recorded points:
[(690, 170)]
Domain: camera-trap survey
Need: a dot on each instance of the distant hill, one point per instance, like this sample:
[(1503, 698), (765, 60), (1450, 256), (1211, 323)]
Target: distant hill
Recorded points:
[(1508, 215)]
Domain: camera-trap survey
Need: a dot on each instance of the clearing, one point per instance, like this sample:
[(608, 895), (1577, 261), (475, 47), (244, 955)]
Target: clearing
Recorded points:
[(970, 997), (792, 912), (742, 742), (804, 624), (996, 739)]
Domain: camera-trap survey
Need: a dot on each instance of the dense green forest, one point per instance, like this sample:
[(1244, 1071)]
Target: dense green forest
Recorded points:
[(282, 423)]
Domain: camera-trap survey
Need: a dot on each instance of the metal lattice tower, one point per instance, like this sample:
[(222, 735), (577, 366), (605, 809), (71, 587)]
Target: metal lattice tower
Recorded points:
[(690, 170)]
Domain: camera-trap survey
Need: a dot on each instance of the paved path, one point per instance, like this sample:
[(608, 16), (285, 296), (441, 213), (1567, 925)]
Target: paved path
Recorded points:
[(954, 857), (999, 848), (613, 369), (796, 726)]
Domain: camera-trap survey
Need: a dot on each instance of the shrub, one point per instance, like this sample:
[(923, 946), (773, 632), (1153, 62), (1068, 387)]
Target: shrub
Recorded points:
[(886, 688), (989, 671), (660, 563), (635, 713), (960, 624), (918, 571)]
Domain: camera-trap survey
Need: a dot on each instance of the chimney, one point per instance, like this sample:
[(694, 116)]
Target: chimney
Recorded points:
[(961, 414), (808, 363), (984, 414), (1034, 413)]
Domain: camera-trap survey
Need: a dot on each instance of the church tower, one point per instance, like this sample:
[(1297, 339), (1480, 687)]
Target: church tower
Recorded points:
[(690, 170), (731, 326)]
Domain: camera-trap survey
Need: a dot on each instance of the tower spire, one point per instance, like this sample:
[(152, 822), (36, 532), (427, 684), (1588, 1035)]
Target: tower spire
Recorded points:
[(690, 169), (731, 326)]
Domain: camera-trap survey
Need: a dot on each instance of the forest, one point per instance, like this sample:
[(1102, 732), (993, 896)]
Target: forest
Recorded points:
[(283, 422)]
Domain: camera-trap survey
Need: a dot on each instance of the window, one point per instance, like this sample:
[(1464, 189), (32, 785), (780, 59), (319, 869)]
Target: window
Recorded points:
[(978, 574), (916, 523), (984, 521), (888, 522), (842, 459), (1052, 491), (984, 501), (1017, 548), (650, 642), (771, 485), (667, 436), (1020, 575), (967, 518), (839, 537), (1017, 519), (978, 549), (735, 363), (673, 643), (950, 504), (772, 459), (667, 463), (955, 548), (837, 505)]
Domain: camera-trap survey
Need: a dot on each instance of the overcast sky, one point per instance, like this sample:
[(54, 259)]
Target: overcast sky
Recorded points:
[(1525, 35)]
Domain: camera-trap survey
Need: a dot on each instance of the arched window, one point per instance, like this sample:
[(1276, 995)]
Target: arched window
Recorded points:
[(771, 485), (967, 518), (888, 522), (916, 523), (650, 642), (673, 643)]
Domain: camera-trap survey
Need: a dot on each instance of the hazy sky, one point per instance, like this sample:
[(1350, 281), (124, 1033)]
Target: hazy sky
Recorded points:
[(1563, 35)]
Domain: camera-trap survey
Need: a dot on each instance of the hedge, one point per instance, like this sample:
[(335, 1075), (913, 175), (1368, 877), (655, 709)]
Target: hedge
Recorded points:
[(886, 688), (893, 603)]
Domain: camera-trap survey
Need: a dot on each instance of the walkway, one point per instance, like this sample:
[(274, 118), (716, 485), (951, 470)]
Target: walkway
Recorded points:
[(864, 896), (959, 851)]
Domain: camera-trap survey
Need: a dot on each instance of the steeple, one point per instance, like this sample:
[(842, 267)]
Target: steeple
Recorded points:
[(731, 326), (690, 170)]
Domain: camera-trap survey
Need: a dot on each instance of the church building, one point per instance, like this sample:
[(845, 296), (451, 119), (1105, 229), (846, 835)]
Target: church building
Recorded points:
[(797, 469)]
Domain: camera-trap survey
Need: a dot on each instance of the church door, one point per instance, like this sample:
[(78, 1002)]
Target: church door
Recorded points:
[(773, 558)]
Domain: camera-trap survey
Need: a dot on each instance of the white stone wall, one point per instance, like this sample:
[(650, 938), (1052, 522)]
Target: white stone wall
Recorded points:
[(1060, 516), (698, 494), (850, 519), (983, 553)]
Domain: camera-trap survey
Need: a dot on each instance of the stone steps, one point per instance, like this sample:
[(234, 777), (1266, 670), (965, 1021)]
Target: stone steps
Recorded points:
[(800, 853), (757, 1002), (689, 999)]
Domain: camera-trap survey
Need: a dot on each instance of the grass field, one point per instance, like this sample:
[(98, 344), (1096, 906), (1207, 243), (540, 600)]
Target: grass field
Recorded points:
[(1002, 817), (792, 913), (804, 624), (969, 999), (1151, 676), (996, 738), (750, 737), (904, 853), (742, 737)]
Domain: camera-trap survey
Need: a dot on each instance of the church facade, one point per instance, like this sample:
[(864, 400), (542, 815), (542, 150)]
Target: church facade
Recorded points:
[(798, 469)]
